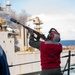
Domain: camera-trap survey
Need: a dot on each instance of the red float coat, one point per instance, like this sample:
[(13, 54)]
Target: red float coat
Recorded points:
[(50, 55)]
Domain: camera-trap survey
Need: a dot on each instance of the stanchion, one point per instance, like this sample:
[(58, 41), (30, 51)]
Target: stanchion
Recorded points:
[(67, 63), (69, 58)]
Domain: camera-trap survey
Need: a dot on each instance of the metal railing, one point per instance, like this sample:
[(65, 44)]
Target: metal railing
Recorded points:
[(67, 65)]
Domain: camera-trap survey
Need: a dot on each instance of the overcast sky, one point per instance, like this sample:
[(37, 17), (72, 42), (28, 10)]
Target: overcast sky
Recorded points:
[(42, 6), (59, 14)]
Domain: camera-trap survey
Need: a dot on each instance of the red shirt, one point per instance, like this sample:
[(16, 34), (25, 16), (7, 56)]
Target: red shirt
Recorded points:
[(50, 55)]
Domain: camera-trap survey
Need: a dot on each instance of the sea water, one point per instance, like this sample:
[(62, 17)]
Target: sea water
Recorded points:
[(68, 42)]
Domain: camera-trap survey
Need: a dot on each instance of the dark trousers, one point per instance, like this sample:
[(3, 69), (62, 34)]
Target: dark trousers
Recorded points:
[(54, 71)]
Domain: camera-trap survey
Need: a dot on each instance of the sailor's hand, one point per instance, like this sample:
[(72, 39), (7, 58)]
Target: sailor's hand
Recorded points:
[(30, 31)]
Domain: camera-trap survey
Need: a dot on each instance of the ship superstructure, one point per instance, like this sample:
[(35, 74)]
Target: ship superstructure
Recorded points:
[(22, 58)]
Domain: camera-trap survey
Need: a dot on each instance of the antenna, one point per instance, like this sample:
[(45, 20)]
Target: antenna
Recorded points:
[(8, 4)]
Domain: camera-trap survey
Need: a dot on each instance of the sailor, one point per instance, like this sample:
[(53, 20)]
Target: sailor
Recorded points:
[(4, 69), (50, 51)]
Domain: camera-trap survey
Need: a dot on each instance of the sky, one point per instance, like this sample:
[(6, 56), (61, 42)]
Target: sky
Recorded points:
[(59, 14), (41, 6)]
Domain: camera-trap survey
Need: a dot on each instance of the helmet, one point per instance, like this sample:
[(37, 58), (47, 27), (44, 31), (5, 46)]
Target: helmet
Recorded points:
[(53, 35)]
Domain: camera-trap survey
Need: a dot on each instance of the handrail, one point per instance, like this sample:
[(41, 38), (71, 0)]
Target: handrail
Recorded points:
[(67, 63), (23, 63)]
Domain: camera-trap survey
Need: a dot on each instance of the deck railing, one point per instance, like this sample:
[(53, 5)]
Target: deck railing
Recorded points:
[(66, 67)]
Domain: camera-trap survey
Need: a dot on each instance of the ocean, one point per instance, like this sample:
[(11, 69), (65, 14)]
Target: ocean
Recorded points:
[(68, 42)]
